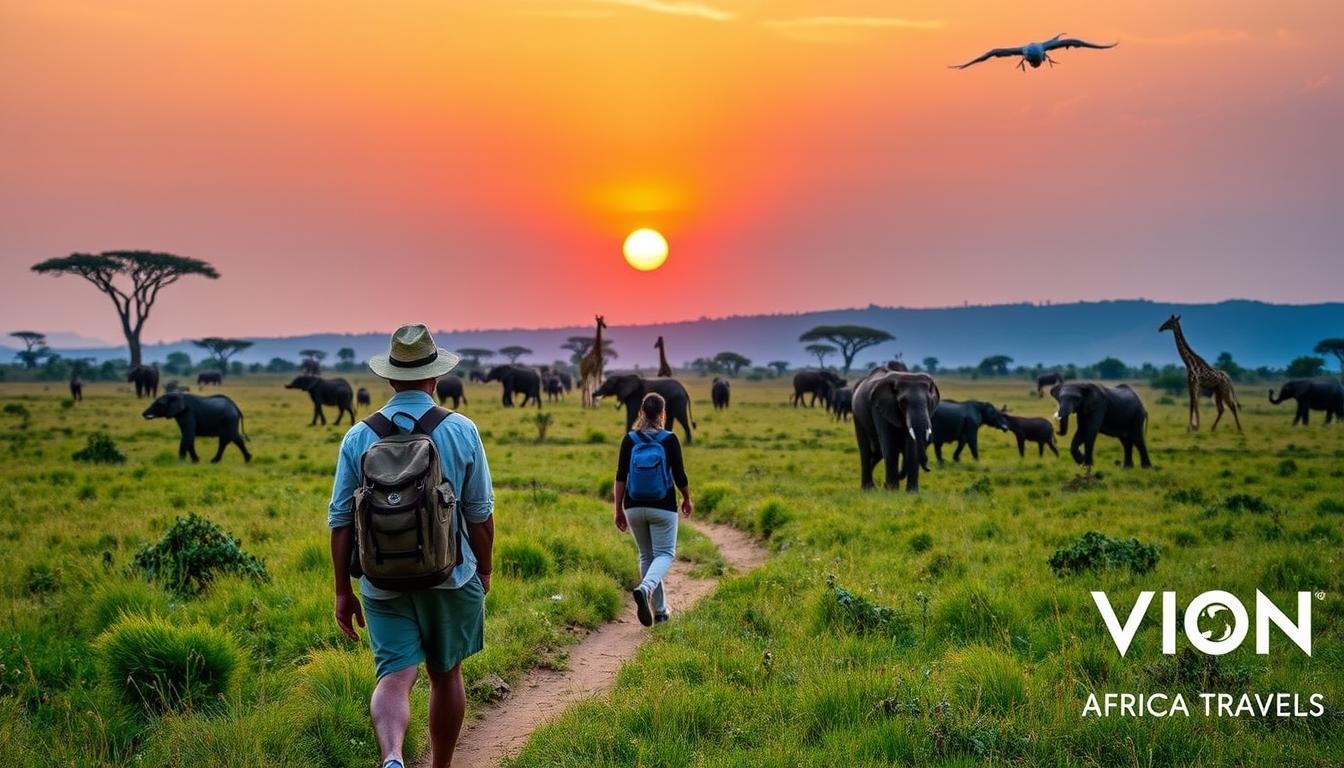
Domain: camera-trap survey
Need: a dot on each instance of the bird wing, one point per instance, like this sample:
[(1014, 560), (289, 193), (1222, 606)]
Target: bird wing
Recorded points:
[(1072, 42), (995, 53)]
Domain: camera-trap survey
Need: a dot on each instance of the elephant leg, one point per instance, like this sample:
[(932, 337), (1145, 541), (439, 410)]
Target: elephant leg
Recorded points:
[(242, 446), (184, 448), (1089, 445), (1303, 414), (219, 454), (1075, 449), (961, 446), (1128, 446), (1053, 449), (938, 452), (974, 445), (890, 454), (685, 426), (1021, 446), (866, 463), (912, 453)]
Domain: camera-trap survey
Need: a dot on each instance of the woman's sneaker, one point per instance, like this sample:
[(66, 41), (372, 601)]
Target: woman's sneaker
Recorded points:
[(642, 606), (660, 617)]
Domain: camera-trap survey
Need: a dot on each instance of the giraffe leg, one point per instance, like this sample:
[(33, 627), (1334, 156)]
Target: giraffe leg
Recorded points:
[(1232, 403), (1194, 406), (1218, 402)]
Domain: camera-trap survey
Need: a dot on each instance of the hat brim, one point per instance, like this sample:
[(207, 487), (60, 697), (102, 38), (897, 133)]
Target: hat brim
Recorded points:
[(383, 367)]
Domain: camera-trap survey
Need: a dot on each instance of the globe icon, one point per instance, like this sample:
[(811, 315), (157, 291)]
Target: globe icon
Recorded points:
[(1215, 615)]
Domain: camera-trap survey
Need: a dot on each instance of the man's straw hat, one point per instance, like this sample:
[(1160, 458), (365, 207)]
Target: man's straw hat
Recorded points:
[(412, 356)]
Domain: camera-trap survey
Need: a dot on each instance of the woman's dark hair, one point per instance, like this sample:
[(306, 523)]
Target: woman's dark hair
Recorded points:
[(652, 412)]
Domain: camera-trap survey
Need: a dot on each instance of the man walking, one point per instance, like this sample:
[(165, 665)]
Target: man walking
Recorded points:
[(440, 625)]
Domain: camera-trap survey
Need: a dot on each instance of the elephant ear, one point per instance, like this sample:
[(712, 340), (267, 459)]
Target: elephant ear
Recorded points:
[(629, 387), (935, 396), (1093, 397), (176, 405)]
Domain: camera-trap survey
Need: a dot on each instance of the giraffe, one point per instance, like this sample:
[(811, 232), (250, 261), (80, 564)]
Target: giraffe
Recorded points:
[(590, 367), (664, 370), (1200, 375)]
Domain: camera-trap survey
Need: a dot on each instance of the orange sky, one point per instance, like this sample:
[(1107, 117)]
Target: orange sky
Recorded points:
[(477, 163)]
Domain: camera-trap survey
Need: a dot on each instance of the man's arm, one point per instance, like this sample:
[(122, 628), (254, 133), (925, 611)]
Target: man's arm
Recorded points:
[(347, 603), (481, 537)]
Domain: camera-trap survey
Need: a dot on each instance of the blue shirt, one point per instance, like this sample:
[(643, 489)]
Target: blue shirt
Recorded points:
[(464, 465)]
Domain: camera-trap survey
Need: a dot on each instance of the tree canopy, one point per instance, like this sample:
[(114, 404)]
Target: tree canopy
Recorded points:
[(780, 366), (514, 351), (222, 349), (822, 351), (1111, 368), (579, 346), (731, 362), (1306, 367), (147, 273), (931, 364), (474, 355), (849, 339), (1331, 347), (34, 347), (995, 365)]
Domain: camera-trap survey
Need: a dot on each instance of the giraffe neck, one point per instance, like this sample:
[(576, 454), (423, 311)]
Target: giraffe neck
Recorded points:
[(1192, 360), (662, 356)]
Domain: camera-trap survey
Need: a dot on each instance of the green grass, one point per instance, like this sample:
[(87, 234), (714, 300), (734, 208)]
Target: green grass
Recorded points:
[(958, 644)]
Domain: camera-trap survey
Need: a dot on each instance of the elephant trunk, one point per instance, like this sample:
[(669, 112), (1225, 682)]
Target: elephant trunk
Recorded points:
[(1063, 416), (1272, 401)]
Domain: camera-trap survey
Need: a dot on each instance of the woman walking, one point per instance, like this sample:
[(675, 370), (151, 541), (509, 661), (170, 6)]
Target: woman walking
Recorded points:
[(649, 473)]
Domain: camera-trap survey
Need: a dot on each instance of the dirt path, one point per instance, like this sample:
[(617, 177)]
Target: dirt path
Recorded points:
[(501, 729)]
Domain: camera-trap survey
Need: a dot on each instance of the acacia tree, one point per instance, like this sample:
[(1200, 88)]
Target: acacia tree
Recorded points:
[(347, 357), (222, 349), (578, 346), (822, 351), (1331, 347), (473, 356), (848, 339), (1306, 367), (731, 362), (34, 347), (781, 366), (931, 364), (147, 273), (995, 365), (312, 361), (514, 351)]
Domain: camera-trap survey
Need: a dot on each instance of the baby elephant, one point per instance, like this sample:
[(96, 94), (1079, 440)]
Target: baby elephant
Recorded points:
[(362, 397), (1039, 431), (214, 416)]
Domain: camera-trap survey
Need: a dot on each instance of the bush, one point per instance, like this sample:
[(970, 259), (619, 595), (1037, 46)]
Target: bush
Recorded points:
[(711, 497), (117, 598), (594, 437), (1095, 551), (100, 449), (523, 559), (163, 667), (40, 579), (1246, 502), (986, 679), (192, 552), (843, 610), (772, 515), (921, 542)]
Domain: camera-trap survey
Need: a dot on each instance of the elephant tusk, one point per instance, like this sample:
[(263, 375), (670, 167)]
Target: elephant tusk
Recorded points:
[(912, 432), (928, 434), (1055, 416)]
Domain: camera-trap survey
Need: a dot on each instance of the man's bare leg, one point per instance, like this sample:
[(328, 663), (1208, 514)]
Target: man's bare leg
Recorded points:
[(391, 710), (447, 707)]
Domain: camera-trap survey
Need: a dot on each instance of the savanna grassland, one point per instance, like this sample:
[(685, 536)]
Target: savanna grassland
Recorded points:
[(886, 628)]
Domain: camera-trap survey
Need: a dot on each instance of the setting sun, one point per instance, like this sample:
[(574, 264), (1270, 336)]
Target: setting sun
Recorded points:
[(645, 249)]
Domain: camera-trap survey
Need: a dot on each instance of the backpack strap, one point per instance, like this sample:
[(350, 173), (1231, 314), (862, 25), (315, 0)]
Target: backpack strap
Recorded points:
[(429, 422), (638, 437), (380, 424), (661, 436)]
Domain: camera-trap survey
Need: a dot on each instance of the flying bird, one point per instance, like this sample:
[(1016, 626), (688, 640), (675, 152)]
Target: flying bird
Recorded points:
[(1034, 54)]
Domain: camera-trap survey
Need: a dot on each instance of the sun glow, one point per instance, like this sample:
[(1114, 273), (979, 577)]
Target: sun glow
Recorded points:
[(645, 249)]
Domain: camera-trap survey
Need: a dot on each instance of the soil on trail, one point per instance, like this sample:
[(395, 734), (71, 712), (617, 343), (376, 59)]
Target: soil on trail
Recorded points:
[(501, 729)]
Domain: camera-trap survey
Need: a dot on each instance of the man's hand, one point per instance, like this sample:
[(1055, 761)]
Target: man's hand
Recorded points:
[(347, 606), (686, 506), (485, 582), (622, 524)]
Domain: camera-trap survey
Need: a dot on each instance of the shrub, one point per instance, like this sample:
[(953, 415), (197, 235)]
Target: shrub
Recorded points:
[(986, 679), (117, 598), (1330, 506), (843, 610), (192, 552), (594, 437), (1246, 502), (711, 497), (981, 486), (1095, 551), (162, 667), (921, 542), (40, 579), (772, 516), (523, 559), (542, 420), (1287, 468), (100, 449), (1187, 496)]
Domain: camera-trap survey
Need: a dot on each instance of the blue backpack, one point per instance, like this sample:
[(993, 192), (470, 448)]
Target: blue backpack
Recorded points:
[(650, 478)]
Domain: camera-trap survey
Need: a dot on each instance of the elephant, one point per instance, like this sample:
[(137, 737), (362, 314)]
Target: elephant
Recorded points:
[(1313, 395), (815, 383), (630, 389), (76, 388), (566, 380), (961, 422), (893, 422), (209, 377), (555, 387), (476, 376), (719, 392), (1113, 411), (363, 398), (1038, 431), (335, 392), (448, 386), (517, 379), (146, 380), (1048, 380), (842, 403), (214, 416)]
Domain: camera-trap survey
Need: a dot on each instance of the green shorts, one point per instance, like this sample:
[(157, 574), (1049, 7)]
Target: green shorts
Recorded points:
[(440, 627)]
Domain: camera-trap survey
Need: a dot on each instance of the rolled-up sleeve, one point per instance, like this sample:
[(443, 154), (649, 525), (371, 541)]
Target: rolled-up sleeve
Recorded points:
[(477, 492), (340, 511)]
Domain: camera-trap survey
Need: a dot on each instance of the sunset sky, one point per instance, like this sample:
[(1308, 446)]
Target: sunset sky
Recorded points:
[(477, 163)]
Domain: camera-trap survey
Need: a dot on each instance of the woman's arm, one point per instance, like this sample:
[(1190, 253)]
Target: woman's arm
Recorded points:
[(676, 463), (618, 492)]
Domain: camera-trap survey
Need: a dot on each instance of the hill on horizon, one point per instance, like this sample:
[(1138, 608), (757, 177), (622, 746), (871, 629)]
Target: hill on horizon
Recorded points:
[(1255, 333)]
